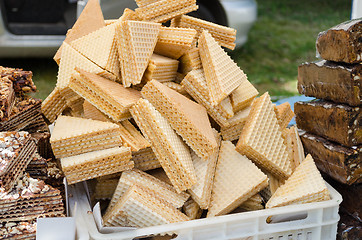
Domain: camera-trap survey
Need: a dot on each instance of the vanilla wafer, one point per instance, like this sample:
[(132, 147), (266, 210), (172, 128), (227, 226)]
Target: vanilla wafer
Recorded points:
[(303, 186), (192, 209), (296, 148), (171, 151), (189, 119), (73, 136), (261, 139), (138, 177), (174, 42), (96, 163), (163, 10), (136, 42), (160, 68), (132, 137), (236, 179), (222, 74), (104, 188), (189, 61), (178, 88), (236, 124), (284, 114), (90, 19), (205, 170), (91, 112), (101, 48), (140, 207), (145, 159), (254, 203), (243, 95), (225, 36), (53, 105), (111, 98)]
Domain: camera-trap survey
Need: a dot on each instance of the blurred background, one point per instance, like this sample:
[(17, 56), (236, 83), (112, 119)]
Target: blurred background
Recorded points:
[(282, 38)]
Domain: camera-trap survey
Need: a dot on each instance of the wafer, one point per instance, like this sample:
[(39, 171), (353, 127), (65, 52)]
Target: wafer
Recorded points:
[(243, 95), (189, 61), (53, 105), (17, 150), (163, 10), (225, 36), (236, 124), (137, 177), (140, 207), (303, 186), (254, 203), (88, 21), (160, 174), (170, 150), (73, 136), (91, 112), (111, 98), (274, 184), (236, 179), (160, 68), (104, 188), (174, 42), (95, 164), (261, 139), (284, 114), (136, 42), (192, 209), (145, 159), (132, 137), (188, 118), (296, 148), (222, 74), (100, 47), (178, 88), (205, 170)]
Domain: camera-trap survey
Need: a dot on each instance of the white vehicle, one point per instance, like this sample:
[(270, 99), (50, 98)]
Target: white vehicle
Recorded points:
[(36, 28)]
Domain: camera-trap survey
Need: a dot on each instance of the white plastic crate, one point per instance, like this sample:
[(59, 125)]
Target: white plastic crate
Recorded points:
[(309, 221)]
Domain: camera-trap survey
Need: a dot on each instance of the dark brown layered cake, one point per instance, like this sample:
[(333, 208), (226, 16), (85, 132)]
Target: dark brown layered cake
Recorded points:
[(7, 98), (22, 80)]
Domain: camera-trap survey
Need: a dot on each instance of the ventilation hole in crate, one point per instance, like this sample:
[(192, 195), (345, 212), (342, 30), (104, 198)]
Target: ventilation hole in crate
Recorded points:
[(300, 236), (281, 237), (309, 235), (286, 217), (290, 236)]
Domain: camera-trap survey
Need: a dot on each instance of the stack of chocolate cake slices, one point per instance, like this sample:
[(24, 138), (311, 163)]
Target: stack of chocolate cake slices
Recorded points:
[(333, 122)]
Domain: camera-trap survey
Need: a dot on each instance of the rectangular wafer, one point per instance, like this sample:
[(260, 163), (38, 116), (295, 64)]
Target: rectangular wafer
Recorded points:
[(160, 68)]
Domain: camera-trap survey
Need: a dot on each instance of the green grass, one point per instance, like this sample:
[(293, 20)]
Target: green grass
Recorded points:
[(282, 38)]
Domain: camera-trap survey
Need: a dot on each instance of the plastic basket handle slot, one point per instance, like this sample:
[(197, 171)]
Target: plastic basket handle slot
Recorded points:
[(286, 217)]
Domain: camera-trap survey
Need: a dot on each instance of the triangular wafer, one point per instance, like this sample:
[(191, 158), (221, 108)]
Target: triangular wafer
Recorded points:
[(53, 105), (243, 95), (261, 139), (222, 74), (88, 21), (101, 48), (236, 179), (284, 114), (136, 42), (169, 148), (303, 186), (189, 119)]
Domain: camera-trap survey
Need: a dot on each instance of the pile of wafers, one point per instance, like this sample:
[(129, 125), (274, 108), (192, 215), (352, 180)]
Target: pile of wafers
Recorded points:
[(147, 115)]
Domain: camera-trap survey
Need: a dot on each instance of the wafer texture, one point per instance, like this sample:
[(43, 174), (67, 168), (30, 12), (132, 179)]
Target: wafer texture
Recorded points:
[(160, 68), (140, 207), (284, 114), (163, 10), (296, 148), (92, 112), (177, 87), (205, 170), (137, 177), (222, 74), (274, 184), (236, 124), (236, 179), (304, 185), (132, 137), (261, 139), (72, 136), (243, 95), (88, 21), (111, 98), (105, 188), (189, 61), (95, 164), (100, 47), (174, 42), (136, 42), (187, 118), (170, 150), (225, 36), (145, 159), (53, 105), (192, 209), (254, 203)]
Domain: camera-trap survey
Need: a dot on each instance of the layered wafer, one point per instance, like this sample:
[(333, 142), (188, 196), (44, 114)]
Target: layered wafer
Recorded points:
[(236, 179), (261, 139), (111, 98), (225, 36), (30, 199), (189, 119), (37, 167), (145, 159), (23, 230), (104, 188), (96, 164), (174, 42), (163, 10), (100, 47), (136, 42), (43, 145), (7, 98), (273, 185), (295, 146), (303, 186), (178, 88), (189, 61), (160, 68), (53, 105), (90, 19), (22, 80), (172, 153), (73, 136), (138, 177), (243, 96), (284, 114), (91, 112), (254, 203), (140, 207), (222, 74), (132, 137), (17, 150), (233, 130), (192, 209), (205, 170)]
